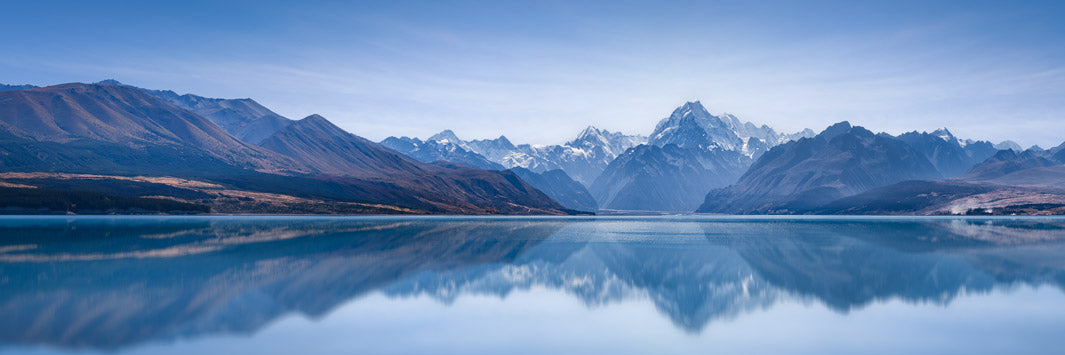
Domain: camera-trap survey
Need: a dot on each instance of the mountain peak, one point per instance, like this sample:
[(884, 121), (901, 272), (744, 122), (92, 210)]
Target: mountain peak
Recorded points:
[(321, 124), (445, 135), (1007, 145), (836, 130), (943, 133), (591, 131), (111, 82), (691, 108)]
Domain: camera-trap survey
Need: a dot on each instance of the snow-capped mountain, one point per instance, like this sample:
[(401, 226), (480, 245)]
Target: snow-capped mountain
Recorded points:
[(1007, 144), (692, 126), (950, 155), (605, 143), (688, 154), (440, 149), (582, 158)]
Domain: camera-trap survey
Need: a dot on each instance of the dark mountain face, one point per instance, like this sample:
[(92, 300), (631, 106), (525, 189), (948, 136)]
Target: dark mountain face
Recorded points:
[(435, 150), (116, 130), (329, 150), (669, 178), (946, 152), (243, 118), (1008, 161), (75, 125), (560, 187), (841, 161), (1058, 153), (1028, 182), (689, 153), (347, 158)]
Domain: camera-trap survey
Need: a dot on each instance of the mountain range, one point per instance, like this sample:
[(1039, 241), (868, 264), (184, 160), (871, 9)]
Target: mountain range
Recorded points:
[(582, 158), (849, 170), (688, 154), (137, 147), (114, 130)]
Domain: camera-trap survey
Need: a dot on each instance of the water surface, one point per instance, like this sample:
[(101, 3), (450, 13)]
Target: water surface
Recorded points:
[(531, 285)]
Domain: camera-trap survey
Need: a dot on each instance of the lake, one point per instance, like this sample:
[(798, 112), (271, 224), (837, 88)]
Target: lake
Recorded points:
[(687, 284)]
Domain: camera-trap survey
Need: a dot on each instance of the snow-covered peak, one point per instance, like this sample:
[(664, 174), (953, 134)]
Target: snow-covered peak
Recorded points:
[(805, 133), (1007, 145), (691, 108), (692, 126), (445, 136), (590, 132), (944, 134)]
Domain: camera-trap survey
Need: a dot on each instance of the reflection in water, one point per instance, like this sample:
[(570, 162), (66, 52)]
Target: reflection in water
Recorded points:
[(113, 282)]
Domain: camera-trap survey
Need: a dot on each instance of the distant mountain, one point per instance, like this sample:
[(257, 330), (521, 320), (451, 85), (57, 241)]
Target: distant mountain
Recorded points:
[(1058, 153), (1007, 145), (591, 152), (691, 126), (1031, 191), (951, 156), (431, 150), (5, 87), (330, 150), (1008, 161), (1009, 182), (118, 128), (669, 178), (560, 187), (243, 118), (57, 133), (689, 153), (583, 158), (840, 161)]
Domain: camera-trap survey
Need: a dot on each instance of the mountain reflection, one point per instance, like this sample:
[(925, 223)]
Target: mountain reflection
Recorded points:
[(109, 283)]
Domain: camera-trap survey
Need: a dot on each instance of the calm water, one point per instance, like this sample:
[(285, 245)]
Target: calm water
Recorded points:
[(197, 285)]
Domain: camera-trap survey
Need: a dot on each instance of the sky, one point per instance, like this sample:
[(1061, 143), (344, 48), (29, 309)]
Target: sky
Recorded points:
[(540, 71)]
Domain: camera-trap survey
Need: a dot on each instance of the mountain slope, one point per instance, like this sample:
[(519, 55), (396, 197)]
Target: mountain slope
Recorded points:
[(689, 153), (947, 153), (669, 178), (243, 118), (329, 150), (1008, 161), (74, 118), (117, 130), (840, 161), (347, 158), (439, 150), (692, 126), (560, 187), (1029, 182)]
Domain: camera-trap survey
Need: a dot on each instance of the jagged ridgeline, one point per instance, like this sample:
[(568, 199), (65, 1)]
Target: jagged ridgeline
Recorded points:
[(129, 144), (234, 156)]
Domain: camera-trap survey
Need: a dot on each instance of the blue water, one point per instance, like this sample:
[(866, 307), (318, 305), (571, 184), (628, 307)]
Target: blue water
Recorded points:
[(200, 285)]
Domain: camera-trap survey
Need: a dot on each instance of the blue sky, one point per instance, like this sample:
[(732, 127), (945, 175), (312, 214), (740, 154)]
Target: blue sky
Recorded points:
[(540, 71)]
